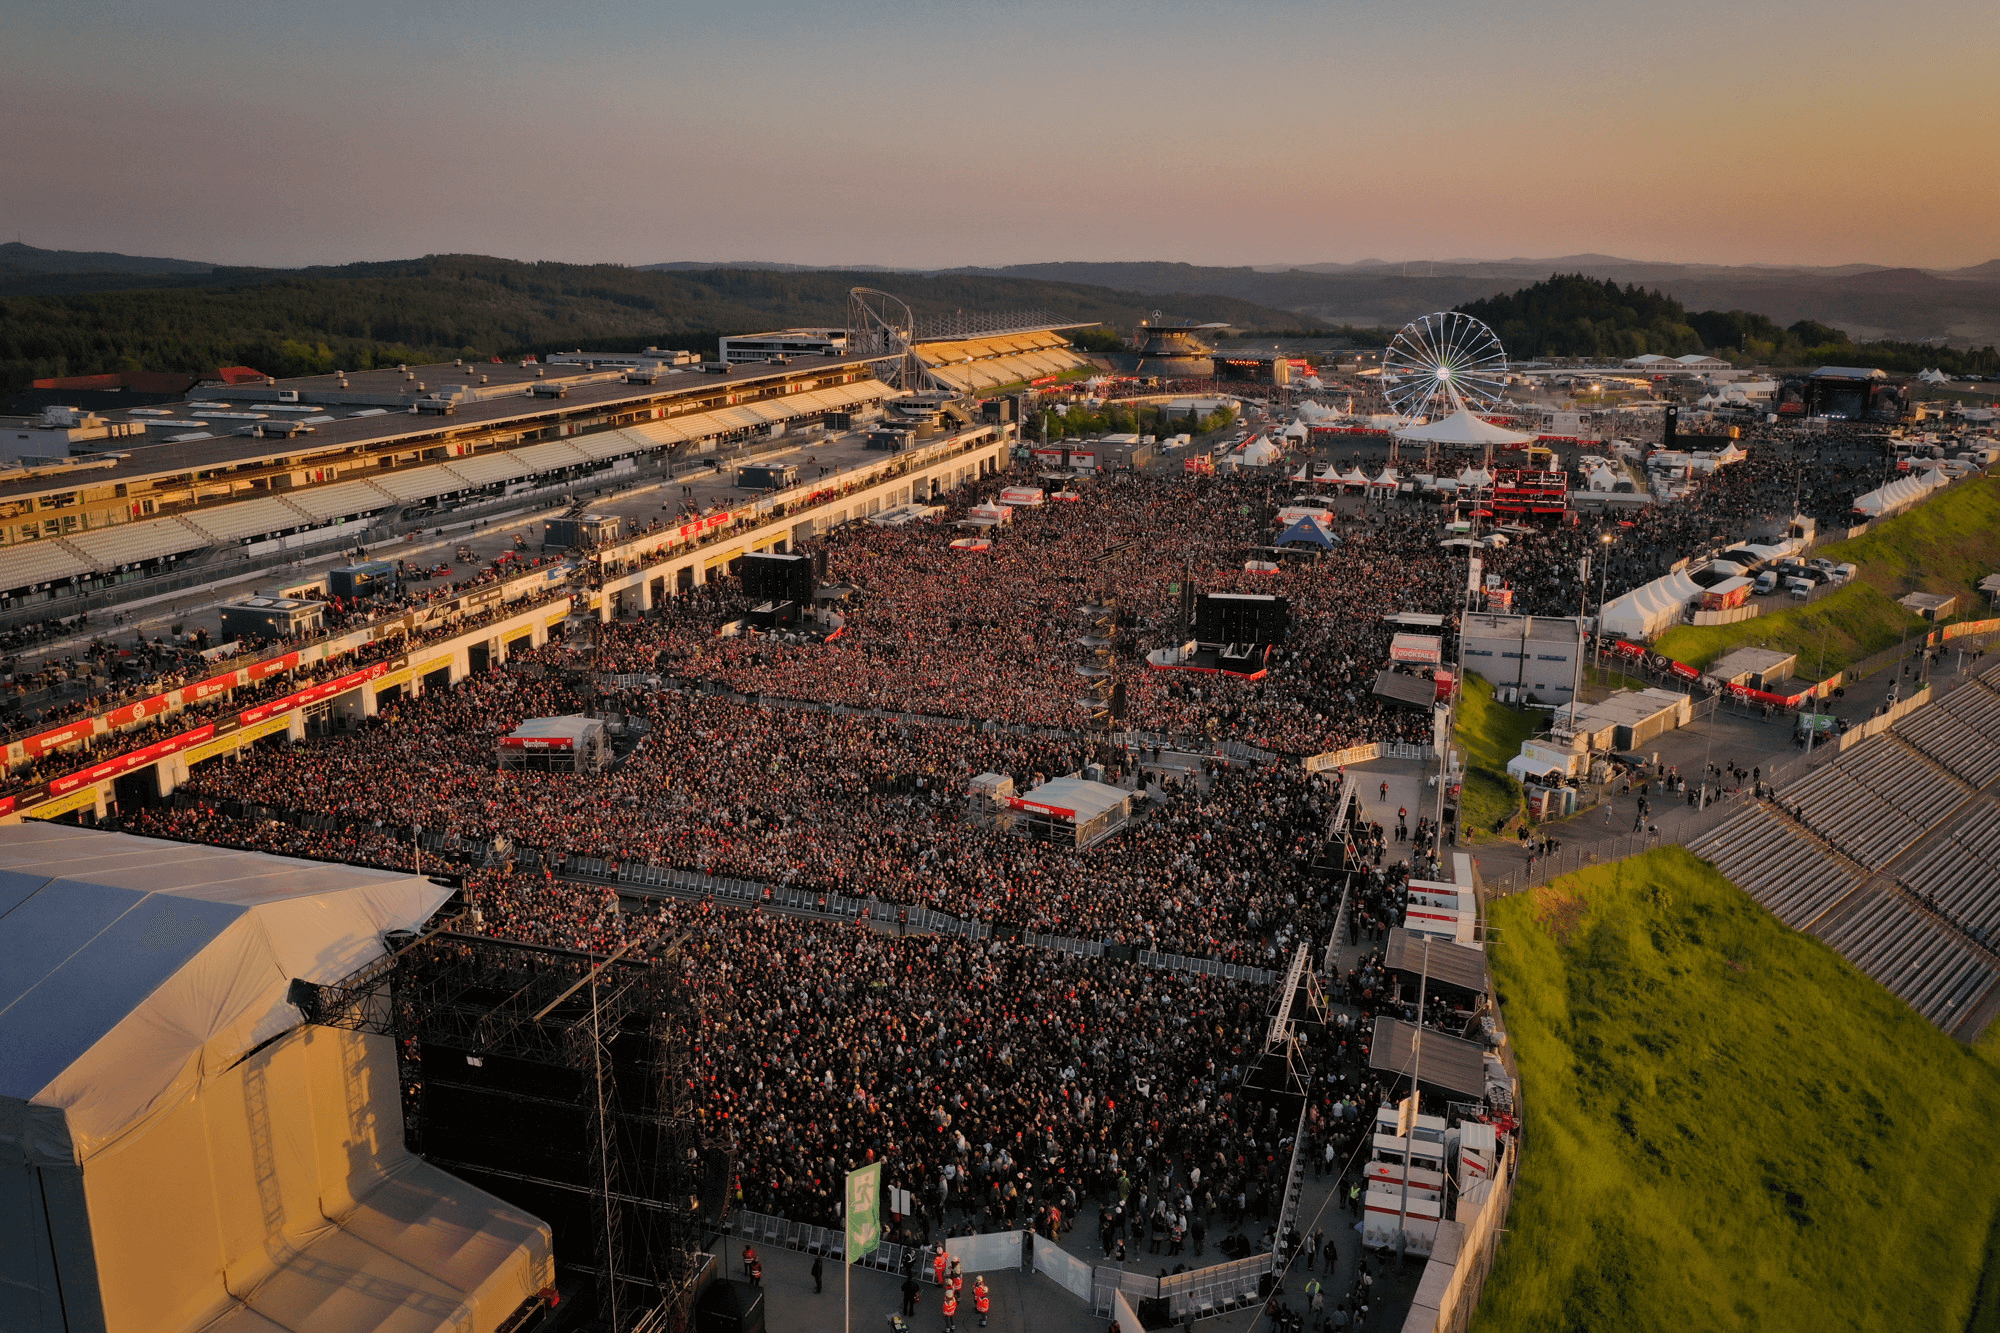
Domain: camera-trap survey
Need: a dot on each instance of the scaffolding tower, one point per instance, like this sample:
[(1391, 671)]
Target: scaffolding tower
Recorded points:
[(558, 1080)]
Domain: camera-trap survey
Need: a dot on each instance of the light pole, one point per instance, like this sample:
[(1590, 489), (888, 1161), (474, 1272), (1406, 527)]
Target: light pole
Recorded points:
[(1603, 583)]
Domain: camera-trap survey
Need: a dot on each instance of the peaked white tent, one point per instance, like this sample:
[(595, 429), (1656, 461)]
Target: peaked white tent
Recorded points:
[(1899, 494), (180, 1151), (1258, 452), (1651, 609), (1463, 427)]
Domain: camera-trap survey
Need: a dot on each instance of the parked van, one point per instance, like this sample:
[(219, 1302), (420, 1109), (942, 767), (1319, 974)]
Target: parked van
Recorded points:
[(1767, 583), (1842, 573), (1800, 588)]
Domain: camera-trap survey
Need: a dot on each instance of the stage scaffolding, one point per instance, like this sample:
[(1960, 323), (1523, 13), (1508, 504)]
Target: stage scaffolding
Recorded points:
[(562, 1082)]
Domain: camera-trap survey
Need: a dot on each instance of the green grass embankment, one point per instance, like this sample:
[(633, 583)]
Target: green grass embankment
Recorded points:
[(1945, 545), (1728, 1127), (1488, 734)]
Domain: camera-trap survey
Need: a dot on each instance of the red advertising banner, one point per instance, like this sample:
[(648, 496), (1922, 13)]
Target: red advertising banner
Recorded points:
[(125, 763), (208, 689), (272, 666), (313, 694), (139, 711), (536, 743), (1683, 670), (1017, 803), (37, 746)]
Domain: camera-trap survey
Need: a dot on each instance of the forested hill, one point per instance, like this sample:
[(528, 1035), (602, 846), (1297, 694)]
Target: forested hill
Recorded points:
[(290, 322), (1573, 315)]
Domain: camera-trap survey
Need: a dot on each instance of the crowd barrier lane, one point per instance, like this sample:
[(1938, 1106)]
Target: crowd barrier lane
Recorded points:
[(1218, 1289), (753, 1229), (1107, 1281)]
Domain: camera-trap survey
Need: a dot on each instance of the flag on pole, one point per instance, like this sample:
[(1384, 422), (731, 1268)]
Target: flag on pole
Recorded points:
[(864, 1211)]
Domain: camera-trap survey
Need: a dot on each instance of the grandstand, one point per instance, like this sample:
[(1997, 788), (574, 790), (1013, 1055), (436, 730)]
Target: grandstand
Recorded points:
[(1779, 864), (975, 364), (1891, 854)]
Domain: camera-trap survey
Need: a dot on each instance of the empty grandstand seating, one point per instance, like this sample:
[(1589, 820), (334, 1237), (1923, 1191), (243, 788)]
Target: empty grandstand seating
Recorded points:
[(1959, 870), (1918, 957), (249, 518), (1912, 794), (1875, 801), (130, 543), (1778, 864), (1944, 733), (44, 561)]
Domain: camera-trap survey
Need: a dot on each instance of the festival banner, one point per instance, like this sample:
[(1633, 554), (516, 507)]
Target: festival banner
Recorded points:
[(864, 1211)]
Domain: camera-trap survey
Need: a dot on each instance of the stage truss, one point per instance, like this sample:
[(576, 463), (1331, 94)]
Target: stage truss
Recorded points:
[(600, 1040)]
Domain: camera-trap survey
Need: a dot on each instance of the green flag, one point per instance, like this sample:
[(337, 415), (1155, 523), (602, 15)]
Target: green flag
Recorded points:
[(864, 1211)]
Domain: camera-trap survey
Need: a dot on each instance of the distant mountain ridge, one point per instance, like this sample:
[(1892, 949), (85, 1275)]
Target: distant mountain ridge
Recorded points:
[(19, 258)]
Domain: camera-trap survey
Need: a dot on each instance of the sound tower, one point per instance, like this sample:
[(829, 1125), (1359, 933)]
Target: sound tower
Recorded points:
[(778, 578), (1241, 618), (1672, 427)]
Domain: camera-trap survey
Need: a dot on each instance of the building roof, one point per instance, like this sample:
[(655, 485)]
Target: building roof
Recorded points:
[(1451, 1063), (1848, 373), (1405, 688), (132, 969), (1077, 798), (1750, 662), (1452, 964), (1549, 629), (572, 727), (334, 434)]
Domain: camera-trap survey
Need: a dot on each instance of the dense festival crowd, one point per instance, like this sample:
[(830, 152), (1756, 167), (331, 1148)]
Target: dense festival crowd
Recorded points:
[(1005, 1085)]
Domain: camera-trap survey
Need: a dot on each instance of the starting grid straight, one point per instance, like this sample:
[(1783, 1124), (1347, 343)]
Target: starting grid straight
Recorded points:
[(664, 880)]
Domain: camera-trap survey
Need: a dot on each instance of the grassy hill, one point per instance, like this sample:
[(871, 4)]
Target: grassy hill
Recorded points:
[(1489, 734), (1945, 545), (312, 320), (1728, 1128)]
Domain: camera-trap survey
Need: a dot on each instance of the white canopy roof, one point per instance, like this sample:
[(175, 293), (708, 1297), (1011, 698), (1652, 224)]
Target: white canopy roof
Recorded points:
[(1462, 427), (131, 969), (1899, 494), (1648, 610)]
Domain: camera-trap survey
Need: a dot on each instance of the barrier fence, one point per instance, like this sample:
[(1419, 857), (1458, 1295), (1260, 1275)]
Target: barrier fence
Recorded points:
[(1208, 967)]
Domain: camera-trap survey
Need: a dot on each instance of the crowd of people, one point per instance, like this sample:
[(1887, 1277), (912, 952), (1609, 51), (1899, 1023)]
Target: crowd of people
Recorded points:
[(1005, 1085)]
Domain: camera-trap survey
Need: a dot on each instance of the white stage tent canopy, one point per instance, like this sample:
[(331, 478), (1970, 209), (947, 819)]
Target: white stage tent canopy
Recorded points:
[(1463, 427), (185, 1152)]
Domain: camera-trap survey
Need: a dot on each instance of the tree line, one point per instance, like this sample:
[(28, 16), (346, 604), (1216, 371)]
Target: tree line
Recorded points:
[(442, 307), (1573, 315)]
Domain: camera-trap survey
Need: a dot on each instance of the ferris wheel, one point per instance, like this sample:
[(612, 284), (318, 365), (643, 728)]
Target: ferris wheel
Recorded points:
[(1441, 363)]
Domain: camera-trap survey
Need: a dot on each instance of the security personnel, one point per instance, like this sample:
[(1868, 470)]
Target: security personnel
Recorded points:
[(950, 1309), (982, 1300)]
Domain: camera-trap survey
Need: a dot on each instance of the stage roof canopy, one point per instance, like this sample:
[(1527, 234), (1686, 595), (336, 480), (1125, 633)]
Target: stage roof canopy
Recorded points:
[(1462, 427), (129, 966), (186, 1153)]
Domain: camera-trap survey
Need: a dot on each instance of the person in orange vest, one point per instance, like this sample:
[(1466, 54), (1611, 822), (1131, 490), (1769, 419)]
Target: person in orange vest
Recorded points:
[(982, 1300), (937, 1265), (950, 1310)]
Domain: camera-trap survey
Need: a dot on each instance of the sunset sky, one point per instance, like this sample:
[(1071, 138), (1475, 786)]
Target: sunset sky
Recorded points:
[(932, 134)]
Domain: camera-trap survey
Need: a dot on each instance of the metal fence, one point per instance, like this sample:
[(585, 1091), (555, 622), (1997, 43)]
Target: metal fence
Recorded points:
[(1208, 967)]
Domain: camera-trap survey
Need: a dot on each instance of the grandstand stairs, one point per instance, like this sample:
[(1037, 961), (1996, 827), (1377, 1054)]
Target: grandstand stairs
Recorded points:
[(1891, 855)]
